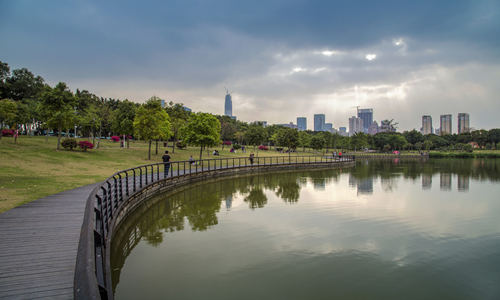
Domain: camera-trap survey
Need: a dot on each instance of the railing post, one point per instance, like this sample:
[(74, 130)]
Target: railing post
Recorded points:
[(133, 170), (158, 172), (140, 177), (116, 192), (121, 186), (146, 174), (152, 174), (126, 184)]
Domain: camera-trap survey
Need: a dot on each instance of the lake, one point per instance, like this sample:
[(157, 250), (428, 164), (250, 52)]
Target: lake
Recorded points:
[(384, 229)]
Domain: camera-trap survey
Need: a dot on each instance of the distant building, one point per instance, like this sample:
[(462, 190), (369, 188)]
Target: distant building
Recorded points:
[(289, 125), (187, 108), (162, 103), (355, 125), (366, 114), (319, 122), (463, 123), (302, 123), (228, 105), (426, 181), (463, 183), (427, 125), (445, 125), (343, 131), (373, 129), (328, 127), (445, 181)]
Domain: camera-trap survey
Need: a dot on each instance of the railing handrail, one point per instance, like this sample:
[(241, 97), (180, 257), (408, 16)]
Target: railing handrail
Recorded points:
[(92, 278)]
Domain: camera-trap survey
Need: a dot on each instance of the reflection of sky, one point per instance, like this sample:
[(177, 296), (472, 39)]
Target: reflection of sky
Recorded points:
[(400, 226)]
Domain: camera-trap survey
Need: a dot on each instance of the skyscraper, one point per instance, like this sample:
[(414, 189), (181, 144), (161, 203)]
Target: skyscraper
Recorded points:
[(302, 123), (228, 105), (463, 123), (366, 114), (328, 127), (427, 125), (343, 131), (445, 125), (355, 125), (319, 122)]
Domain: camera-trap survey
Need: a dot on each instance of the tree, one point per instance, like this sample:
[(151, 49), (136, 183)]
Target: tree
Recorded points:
[(152, 122), (178, 117), (8, 112), (227, 130), (304, 139), (359, 141), (4, 73), (317, 142), (122, 120), (288, 137), (413, 137), (255, 135), (202, 129), (22, 84), (494, 136), (58, 107)]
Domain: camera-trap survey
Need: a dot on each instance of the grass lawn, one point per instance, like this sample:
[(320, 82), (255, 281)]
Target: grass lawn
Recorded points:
[(32, 168)]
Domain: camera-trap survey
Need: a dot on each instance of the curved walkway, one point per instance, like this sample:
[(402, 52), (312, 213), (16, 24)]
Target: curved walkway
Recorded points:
[(38, 246)]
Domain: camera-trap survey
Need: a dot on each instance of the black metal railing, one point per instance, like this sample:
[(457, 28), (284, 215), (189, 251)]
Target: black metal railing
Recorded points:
[(106, 199)]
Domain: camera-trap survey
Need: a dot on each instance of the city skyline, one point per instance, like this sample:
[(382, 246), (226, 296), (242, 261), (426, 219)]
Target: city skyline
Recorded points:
[(391, 61)]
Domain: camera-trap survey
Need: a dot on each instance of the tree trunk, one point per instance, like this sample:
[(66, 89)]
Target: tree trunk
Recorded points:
[(201, 151), (173, 145), (128, 142), (93, 136), (149, 152), (59, 138), (99, 137), (47, 136), (156, 152)]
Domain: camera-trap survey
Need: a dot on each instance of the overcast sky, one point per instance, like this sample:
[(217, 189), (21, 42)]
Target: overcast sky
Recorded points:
[(279, 58)]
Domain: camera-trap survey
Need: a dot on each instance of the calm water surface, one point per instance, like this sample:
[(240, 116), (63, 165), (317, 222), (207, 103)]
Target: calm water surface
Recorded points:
[(381, 230)]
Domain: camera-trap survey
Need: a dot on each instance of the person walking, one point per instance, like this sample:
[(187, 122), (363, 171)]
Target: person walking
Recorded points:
[(166, 161), (191, 160), (251, 158)]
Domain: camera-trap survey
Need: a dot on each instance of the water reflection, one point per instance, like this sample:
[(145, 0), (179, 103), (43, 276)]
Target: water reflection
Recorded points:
[(386, 224)]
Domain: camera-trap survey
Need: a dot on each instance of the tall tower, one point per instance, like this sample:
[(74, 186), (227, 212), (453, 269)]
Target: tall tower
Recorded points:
[(427, 125), (366, 114), (228, 105), (463, 123), (319, 122), (355, 125), (445, 125)]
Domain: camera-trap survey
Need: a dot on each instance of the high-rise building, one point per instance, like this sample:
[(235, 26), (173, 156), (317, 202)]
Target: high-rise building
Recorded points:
[(302, 123), (343, 131), (366, 114), (355, 125), (162, 103), (228, 105), (328, 127), (427, 125), (288, 125), (373, 129), (319, 122), (445, 125), (463, 123)]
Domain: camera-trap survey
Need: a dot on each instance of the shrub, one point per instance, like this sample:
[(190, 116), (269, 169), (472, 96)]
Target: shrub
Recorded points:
[(8, 132), (227, 143), (69, 144), (279, 149), (84, 145), (180, 145), (115, 138), (262, 147), (236, 146)]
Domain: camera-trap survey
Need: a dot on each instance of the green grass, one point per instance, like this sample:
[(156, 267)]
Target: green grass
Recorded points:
[(461, 154), (32, 168)]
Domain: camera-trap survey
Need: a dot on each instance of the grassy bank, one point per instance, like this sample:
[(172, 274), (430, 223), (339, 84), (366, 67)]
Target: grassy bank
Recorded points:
[(457, 154), (32, 168)]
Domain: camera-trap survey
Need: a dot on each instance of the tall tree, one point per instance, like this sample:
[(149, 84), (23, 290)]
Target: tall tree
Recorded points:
[(152, 122), (122, 119), (304, 139), (58, 107), (255, 135), (8, 113), (202, 130), (288, 137), (178, 117), (22, 84)]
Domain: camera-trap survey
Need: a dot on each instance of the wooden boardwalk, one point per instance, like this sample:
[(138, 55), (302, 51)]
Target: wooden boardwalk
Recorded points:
[(38, 246)]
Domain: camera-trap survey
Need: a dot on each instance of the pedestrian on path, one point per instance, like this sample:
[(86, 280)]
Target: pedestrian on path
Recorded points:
[(251, 158), (166, 160)]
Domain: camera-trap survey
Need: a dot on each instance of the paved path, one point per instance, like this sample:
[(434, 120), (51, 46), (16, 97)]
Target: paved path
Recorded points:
[(38, 245)]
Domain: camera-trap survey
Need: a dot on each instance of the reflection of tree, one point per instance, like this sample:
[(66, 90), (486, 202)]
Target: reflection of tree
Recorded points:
[(288, 190), (256, 198)]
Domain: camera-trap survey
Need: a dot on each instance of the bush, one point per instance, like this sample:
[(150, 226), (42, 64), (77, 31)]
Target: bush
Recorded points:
[(8, 132), (236, 146), (262, 147), (227, 143), (69, 144), (279, 149), (115, 138), (84, 145), (181, 145)]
